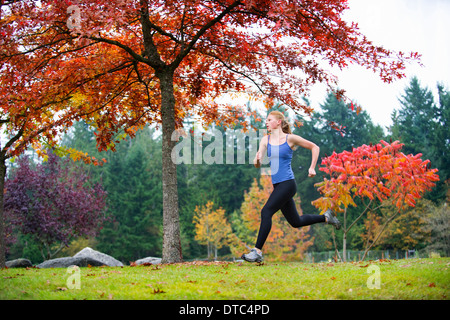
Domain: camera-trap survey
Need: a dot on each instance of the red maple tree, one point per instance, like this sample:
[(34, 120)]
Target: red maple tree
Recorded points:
[(377, 173), (120, 64)]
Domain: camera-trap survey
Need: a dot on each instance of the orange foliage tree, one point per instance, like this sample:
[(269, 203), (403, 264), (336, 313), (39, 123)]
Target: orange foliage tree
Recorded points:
[(284, 242), (407, 231), (377, 174), (119, 64), (212, 228)]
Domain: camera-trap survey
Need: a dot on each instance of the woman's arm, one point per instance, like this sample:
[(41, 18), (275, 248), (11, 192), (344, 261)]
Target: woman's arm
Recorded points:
[(299, 141), (261, 152)]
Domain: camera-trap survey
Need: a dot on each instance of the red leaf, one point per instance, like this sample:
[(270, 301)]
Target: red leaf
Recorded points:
[(364, 266)]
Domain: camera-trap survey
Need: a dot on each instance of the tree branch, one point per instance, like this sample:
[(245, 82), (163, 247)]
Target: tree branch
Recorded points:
[(201, 32), (10, 142), (133, 54), (238, 72), (379, 234), (150, 49), (360, 216)]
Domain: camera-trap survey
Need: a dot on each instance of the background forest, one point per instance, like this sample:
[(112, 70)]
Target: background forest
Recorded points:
[(132, 180)]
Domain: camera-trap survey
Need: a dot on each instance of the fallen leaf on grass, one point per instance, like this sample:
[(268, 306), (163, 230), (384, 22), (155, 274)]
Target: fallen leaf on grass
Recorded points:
[(205, 263), (12, 277), (32, 267), (158, 290), (333, 278), (384, 260), (432, 285), (405, 266), (364, 266)]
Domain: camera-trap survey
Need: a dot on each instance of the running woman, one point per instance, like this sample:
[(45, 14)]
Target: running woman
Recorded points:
[(280, 145)]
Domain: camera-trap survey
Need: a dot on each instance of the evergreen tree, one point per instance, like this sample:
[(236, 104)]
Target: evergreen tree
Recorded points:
[(415, 122), (442, 139), (357, 128), (422, 125), (132, 179)]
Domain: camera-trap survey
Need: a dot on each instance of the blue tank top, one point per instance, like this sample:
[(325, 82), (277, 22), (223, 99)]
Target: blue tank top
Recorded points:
[(280, 157)]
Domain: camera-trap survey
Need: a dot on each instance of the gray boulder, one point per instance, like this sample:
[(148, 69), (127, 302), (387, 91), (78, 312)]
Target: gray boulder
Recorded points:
[(19, 263), (70, 261), (151, 260), (99, 256)]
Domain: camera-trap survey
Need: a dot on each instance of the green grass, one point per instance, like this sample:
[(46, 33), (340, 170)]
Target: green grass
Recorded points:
[(399, 279)]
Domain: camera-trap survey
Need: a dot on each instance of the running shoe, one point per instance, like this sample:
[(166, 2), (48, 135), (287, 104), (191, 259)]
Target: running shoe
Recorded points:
[(253, 256), (331, 219)]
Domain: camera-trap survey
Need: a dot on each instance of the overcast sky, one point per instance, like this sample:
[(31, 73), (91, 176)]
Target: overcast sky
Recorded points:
[(401, 25)]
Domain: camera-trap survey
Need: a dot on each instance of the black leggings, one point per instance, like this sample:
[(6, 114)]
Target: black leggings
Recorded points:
[(281, 198)]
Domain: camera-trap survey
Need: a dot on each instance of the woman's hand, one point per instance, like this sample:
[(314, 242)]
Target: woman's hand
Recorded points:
[(257, 160), (311, 172)]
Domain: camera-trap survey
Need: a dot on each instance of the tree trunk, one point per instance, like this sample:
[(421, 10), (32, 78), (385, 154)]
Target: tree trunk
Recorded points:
[(171, 220), (379, 234), (2, 216), (344, 244)]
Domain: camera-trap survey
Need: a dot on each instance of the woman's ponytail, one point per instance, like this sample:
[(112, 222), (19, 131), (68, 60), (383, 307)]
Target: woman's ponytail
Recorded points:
[(285, 127)]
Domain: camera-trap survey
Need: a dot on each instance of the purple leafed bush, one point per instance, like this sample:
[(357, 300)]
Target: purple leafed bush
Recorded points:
[(55, 202)]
